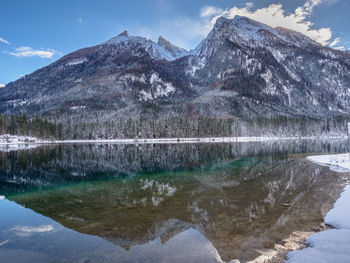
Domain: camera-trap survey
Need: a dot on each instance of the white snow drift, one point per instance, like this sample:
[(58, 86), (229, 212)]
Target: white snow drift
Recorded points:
[(331, 245)]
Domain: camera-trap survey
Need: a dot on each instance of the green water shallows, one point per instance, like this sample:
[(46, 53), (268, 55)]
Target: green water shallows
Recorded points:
[(160, 203)]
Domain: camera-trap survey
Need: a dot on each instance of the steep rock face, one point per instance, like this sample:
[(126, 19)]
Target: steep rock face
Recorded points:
[(242, 69), (158, 51), (272, 66), (175, 51)]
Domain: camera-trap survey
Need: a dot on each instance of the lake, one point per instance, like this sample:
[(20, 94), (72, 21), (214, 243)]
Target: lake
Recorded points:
[(161, 203)]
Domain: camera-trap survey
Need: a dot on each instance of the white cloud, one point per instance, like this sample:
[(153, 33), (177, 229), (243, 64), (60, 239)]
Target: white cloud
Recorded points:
[(274, 15), (334, 42), (30, 52), (2, 86), (210, 10), (4, 41), (340, 47), (185, 32), (80, 20), (29, 230), (249, 4)]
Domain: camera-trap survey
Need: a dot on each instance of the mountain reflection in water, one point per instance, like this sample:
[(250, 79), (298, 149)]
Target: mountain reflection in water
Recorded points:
[(173, 203)]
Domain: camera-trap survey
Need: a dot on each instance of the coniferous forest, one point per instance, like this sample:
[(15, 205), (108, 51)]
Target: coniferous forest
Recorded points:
[(170, 128)]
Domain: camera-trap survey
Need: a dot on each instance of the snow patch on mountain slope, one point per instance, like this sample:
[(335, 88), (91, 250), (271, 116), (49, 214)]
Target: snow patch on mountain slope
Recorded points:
[(145, 96), (77, 108), (287, 91), (17, 103), (154, 78), (270, 88), (195, 65), (77, 62), (277, 55), (135, 78), (159, 89), (291, 74)]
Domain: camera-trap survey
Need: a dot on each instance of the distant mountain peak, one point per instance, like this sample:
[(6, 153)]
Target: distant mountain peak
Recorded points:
[(238, 18), (124, 36), (124, 33), (241, 22), (162, 41), (249, 32), (161, 50), (175, 51)]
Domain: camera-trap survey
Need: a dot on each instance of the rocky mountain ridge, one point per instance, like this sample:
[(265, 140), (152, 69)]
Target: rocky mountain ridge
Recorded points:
[(242, 69)]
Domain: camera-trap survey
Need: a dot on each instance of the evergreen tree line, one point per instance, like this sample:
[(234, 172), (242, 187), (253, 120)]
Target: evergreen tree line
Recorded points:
[(36, 127), (171, 127), (204, 127)]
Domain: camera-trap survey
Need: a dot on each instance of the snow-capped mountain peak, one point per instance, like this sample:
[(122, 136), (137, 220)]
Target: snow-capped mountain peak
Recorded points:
[(163, 42), (158, 51), (248, 32), (176, 52), (124, 33), (124, 37)]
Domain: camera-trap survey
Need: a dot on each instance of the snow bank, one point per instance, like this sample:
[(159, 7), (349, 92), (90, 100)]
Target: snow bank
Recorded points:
[(331, 245), (325, 247), (14, 139), (337, 162), (191, 140), (13, 142), (339, 216)]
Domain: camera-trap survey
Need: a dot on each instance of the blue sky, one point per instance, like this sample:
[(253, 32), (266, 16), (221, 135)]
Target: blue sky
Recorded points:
[(35, 33)]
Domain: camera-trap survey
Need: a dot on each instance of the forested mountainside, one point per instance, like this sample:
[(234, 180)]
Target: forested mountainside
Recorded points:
[(242, 71)]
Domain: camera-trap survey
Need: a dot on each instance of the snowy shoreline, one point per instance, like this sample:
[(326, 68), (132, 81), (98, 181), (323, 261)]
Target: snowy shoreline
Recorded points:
[(13, 142), (331, 245)]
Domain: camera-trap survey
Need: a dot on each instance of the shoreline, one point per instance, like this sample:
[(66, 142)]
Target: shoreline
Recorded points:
[(332, 242), (14, 143), (312, 244), (26, 140)]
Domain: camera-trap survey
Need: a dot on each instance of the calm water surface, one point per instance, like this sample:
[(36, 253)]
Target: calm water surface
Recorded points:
[(160, 203)]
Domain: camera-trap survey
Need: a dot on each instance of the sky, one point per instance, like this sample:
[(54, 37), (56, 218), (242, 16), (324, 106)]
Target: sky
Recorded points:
[(36, 33)]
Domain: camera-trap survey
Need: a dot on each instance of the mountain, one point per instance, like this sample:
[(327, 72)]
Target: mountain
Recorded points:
[(158, 51), (272, 69), (242, 69), (176, 52)]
